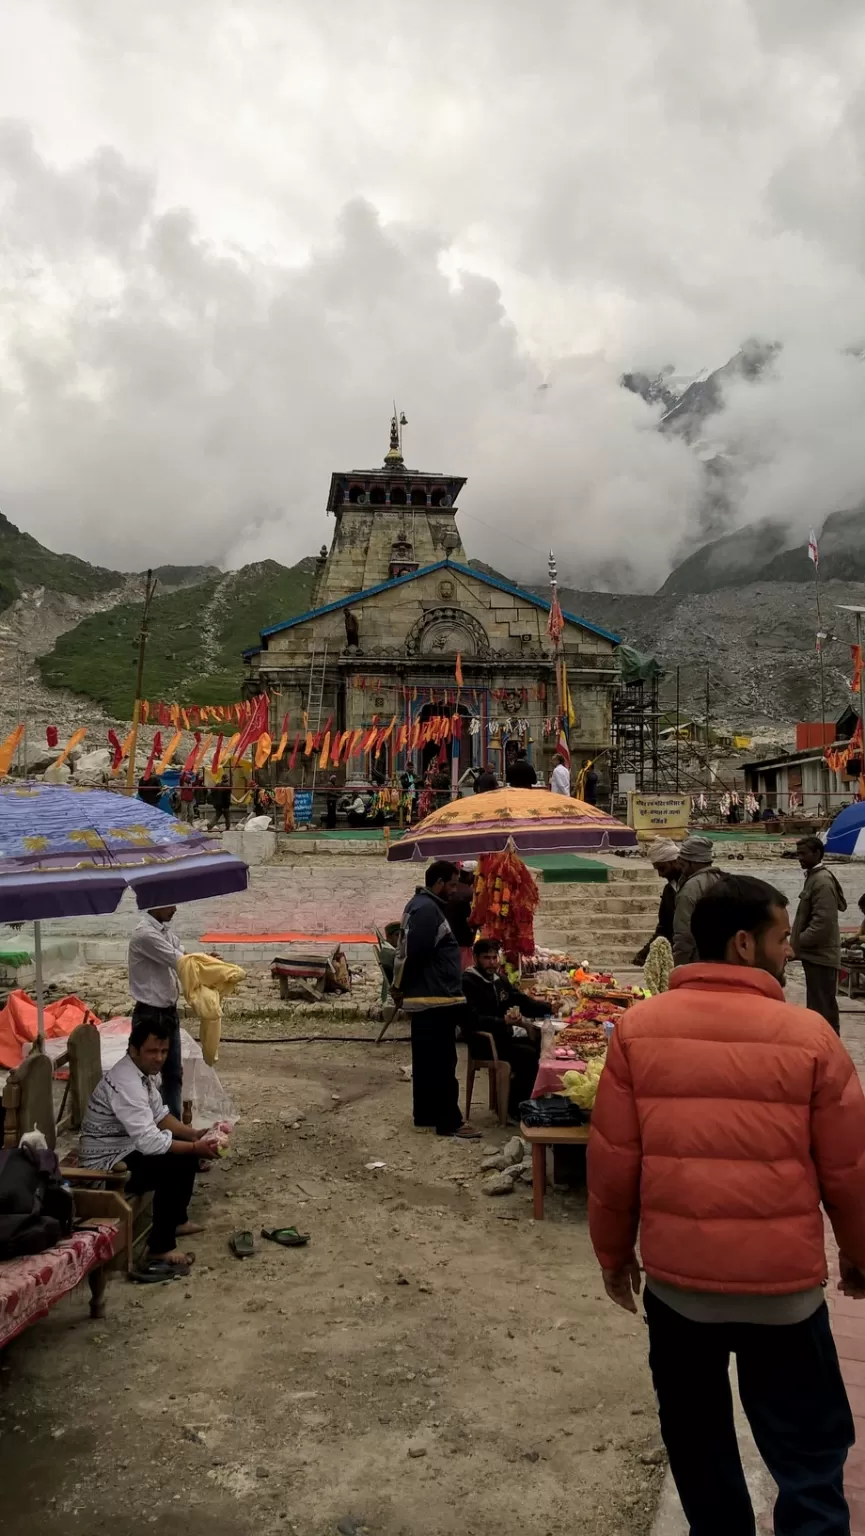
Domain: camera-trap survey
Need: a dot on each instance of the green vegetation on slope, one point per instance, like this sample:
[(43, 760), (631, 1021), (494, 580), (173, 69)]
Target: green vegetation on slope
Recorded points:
[(195, 642), (24, 562)]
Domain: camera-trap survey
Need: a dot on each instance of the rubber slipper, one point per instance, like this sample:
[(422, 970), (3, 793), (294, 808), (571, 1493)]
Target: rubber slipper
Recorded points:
[(157, 1271), (242, 1244), (288, 1237), (467, 1133)]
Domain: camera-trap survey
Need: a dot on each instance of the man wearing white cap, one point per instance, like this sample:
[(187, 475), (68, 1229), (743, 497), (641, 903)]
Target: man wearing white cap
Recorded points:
[(664, 855), (697, 877)]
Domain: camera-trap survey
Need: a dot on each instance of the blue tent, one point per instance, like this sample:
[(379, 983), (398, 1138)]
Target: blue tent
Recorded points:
[(847, 832)]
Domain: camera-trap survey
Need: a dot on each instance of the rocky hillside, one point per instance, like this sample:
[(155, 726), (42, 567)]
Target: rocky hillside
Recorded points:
[(68, 638), (196, 637), (757, 642), (26, 565), (763, 553)]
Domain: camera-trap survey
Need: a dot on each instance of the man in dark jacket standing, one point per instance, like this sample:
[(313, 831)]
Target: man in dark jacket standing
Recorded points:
[(816, 937), (520, 774), (486, 780), (664, 855), (427, 984)]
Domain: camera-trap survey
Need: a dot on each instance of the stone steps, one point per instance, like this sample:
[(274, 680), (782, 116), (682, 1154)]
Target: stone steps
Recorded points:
[(598, 906), (597, 956)]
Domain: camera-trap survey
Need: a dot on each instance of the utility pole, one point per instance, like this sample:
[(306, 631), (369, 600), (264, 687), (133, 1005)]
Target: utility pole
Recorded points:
[(149, 589), (708, 740), (677, 728), (850, 608)]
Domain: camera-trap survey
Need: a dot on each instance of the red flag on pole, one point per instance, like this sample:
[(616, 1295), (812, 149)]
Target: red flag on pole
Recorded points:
[(156, 750)]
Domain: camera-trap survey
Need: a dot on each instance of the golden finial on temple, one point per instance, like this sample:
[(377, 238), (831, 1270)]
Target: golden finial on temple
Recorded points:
[(394, 452)]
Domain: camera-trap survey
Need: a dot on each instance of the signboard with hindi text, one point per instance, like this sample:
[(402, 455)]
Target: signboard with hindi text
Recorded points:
[(302, 807), (658, 815)]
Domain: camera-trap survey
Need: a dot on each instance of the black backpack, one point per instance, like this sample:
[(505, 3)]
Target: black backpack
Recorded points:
[(36, 1209)]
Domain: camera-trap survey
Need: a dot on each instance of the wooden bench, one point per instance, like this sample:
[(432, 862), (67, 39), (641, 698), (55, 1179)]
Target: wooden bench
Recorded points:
[(28, 1105), (540, 1137)]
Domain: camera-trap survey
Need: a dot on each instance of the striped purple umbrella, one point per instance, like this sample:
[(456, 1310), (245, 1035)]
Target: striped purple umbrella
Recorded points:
[(66, 852), (525, 820)]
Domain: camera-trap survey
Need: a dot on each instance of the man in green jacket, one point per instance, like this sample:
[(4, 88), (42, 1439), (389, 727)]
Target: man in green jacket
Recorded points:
[(816, 937), (698, 875)]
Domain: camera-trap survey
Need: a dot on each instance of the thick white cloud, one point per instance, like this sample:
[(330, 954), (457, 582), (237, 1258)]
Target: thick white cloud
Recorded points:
[(232, 233)]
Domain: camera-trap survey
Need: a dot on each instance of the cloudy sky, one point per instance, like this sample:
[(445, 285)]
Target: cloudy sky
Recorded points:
[(233, 230)]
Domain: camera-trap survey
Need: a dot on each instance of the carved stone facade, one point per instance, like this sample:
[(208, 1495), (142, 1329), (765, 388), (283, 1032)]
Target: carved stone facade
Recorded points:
[(395, 603)]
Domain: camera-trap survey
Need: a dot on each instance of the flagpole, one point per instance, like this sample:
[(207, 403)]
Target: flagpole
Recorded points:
[(555, 627), (814, 556), (149, 589)]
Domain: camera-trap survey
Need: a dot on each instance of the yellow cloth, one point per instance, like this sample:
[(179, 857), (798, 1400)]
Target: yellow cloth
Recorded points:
[(205, 981)]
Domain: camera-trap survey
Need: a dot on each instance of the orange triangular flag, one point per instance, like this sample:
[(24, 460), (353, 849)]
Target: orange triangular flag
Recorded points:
[(283, 743), (7, 750), (71, 743), (458, 670), (169, 751), (200, 754), (263, 749), (325, 750)]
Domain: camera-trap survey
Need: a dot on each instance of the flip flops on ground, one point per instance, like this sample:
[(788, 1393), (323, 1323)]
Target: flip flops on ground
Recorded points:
[(288, 1237), (242, 1244)]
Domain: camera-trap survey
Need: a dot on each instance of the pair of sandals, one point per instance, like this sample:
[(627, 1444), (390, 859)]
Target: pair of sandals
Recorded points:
[(154, 1271), (242, 1243)]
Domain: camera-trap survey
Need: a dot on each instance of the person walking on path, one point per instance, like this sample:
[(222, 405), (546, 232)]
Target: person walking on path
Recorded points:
[(560, 778), (697, 877), (724, 1117), (816, 936), (187, 797), (155, 986), (427, 984), (220, 801)]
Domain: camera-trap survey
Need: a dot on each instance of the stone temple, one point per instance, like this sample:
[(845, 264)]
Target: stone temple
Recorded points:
[(395, 603)]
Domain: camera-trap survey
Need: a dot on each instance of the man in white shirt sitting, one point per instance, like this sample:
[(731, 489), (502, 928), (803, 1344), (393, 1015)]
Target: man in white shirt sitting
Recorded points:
[(560, 779), (155, 986), (126, 1121)]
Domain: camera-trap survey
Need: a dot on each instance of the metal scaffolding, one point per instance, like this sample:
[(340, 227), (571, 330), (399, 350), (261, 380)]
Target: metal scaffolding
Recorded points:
[(634, 747)]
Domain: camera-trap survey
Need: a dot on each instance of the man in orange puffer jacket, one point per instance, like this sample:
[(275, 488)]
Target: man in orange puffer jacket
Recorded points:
[(724, 1117)]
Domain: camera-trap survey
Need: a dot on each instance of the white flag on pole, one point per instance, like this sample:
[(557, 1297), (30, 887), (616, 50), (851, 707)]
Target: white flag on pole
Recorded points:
[(813, 551)]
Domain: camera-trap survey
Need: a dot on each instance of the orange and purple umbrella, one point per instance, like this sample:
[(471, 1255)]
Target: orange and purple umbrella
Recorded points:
[(525, 820)]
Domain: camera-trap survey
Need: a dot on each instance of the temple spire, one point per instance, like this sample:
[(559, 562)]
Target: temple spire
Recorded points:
[(394, 452)]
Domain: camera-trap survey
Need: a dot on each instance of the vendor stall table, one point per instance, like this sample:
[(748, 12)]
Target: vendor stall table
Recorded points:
[(540, 1137)]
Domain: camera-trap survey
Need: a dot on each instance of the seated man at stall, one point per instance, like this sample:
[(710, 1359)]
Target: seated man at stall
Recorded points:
[(126, 1121), (495, 1007)]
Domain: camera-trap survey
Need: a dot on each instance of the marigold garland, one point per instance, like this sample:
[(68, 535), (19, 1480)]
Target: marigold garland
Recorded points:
[(505, 901)]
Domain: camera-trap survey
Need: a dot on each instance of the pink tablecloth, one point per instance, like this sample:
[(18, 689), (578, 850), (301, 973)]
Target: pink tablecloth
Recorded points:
[(549, 1078), (31, 1286)]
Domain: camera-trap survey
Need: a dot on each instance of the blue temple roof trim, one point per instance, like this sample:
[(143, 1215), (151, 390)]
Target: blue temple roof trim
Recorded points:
[(427, 570)]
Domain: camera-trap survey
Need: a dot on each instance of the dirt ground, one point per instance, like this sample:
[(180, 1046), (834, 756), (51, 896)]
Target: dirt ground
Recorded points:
[(433, 1364)]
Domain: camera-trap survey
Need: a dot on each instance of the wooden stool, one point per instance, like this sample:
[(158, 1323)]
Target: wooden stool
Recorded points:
[(540, 1137)]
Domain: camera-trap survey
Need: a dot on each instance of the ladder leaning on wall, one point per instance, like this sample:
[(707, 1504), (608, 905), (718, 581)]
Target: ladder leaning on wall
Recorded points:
[(315, 698)]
